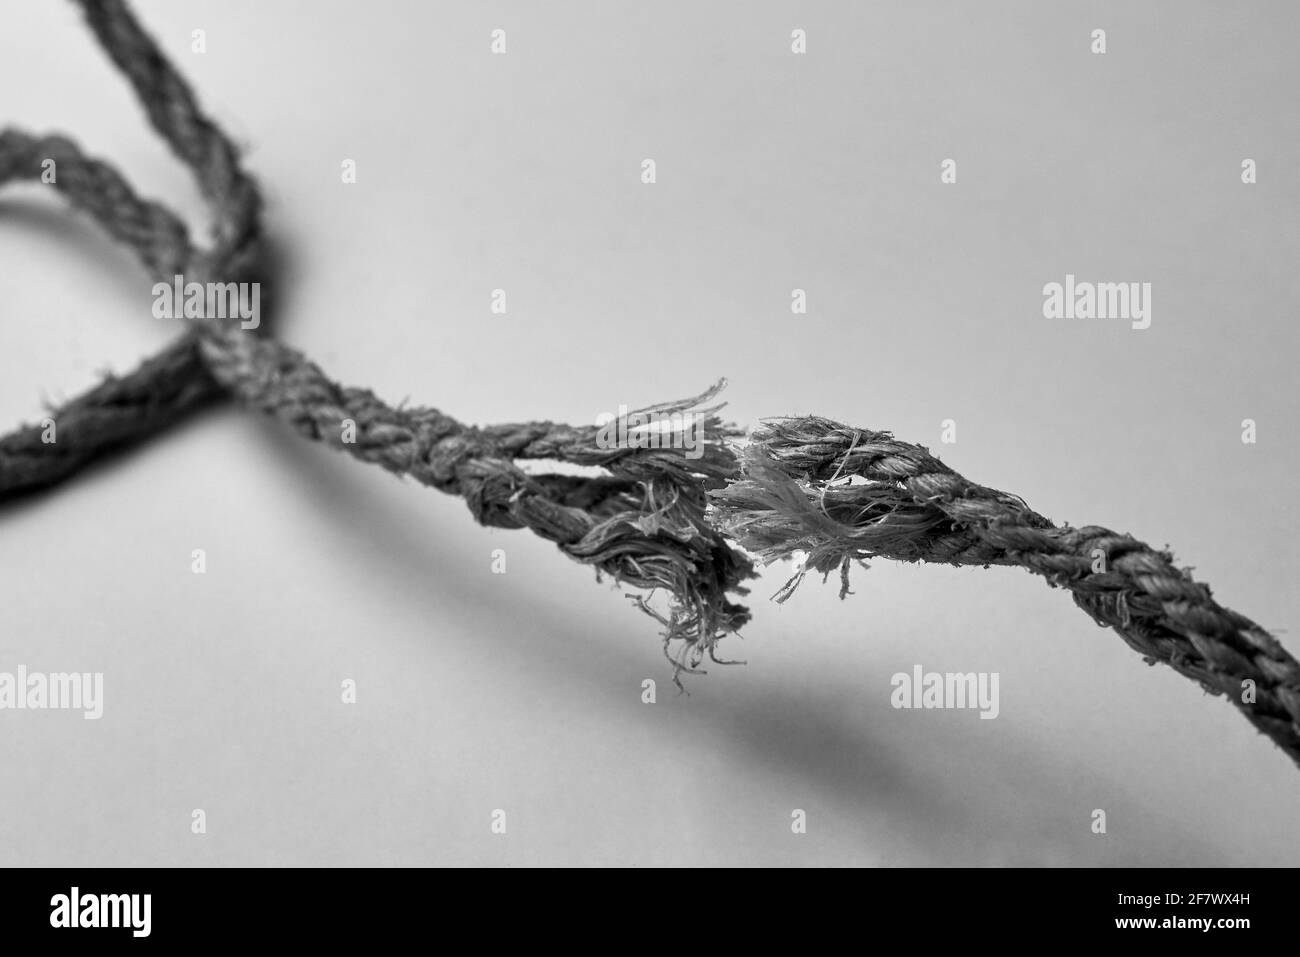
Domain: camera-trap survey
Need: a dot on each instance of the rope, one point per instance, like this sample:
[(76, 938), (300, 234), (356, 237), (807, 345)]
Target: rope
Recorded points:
[(910, 507), (654, 519), (642, 523)]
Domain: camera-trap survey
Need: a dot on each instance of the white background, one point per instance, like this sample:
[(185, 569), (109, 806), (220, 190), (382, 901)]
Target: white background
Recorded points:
[(522, 691)]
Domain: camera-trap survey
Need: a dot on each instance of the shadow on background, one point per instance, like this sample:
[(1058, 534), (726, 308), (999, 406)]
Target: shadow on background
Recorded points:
[(941, 793), (938, 792)]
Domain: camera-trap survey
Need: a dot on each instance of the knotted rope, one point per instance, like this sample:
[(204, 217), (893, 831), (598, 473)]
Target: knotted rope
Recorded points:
[(654, 519)]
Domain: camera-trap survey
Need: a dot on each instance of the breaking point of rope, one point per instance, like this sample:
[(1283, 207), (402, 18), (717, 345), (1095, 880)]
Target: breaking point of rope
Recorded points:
[(805, 489)]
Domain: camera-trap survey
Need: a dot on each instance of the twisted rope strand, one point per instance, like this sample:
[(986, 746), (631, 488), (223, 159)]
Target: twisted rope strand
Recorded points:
[(642, 522), (911, 507), (120, 411), (653, 519)]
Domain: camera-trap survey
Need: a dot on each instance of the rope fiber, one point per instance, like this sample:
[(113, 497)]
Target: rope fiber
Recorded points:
[(653, 520)]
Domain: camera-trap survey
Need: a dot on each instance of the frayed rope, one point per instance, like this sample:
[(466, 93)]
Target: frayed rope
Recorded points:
[(840, 495), (654, 519)]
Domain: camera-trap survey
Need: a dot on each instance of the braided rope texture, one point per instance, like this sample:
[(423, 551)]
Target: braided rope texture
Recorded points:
[(641, 522), (653, 519), (840, 495)]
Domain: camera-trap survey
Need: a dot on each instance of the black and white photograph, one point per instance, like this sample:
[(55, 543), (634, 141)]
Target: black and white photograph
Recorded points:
[(770, 435)]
